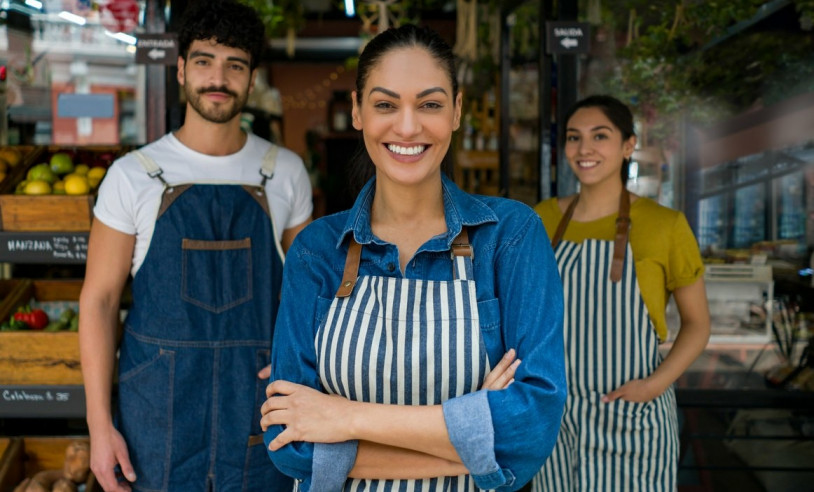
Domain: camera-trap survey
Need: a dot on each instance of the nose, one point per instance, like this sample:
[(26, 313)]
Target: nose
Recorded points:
[(584, 146), (408, 123)]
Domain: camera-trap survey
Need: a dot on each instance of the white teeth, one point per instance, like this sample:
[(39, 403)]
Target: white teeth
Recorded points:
[(587, 164), (398, 149)]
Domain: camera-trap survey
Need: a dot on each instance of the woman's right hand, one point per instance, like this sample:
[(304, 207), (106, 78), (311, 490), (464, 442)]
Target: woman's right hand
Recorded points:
[(105, 454), (502, 375)]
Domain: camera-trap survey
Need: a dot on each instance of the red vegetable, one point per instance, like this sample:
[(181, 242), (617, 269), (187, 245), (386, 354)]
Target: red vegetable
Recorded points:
[(36, 319)]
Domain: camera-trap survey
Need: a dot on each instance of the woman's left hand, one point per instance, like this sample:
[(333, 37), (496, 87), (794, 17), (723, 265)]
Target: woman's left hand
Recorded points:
[(307, 414), (636, 390)]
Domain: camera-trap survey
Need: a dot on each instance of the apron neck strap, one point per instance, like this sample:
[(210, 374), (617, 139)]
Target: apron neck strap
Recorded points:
[(620, 238), (460, 248)]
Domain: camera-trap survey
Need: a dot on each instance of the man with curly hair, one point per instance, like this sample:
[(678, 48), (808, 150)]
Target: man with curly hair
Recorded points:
[(200, 219)]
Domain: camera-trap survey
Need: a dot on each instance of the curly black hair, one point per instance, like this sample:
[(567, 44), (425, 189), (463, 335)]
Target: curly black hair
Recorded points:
[(229, 22)]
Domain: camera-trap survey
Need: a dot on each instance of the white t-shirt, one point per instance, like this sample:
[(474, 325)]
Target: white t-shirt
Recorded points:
[(129, 198)]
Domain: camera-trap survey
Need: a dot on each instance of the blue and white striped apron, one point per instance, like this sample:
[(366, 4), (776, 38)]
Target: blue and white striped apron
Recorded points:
[(609, 340), (403, 342)]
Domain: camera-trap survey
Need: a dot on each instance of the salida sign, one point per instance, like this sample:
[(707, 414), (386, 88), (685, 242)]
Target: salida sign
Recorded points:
[(119, 15), (568, 37)]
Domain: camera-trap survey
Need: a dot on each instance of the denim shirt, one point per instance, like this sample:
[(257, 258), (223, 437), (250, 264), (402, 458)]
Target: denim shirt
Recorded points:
[(502, 437)]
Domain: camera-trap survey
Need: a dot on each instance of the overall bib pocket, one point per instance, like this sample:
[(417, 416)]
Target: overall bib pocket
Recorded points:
[(216, 275)]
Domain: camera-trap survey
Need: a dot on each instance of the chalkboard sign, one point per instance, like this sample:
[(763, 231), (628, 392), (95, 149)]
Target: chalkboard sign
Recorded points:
[(42, 401), (44, 247)]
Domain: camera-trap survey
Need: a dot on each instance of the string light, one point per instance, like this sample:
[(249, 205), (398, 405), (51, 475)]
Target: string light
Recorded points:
[(313, 97)]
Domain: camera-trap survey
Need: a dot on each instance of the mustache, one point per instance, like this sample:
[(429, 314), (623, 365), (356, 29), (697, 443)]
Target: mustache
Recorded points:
[(222, 89)]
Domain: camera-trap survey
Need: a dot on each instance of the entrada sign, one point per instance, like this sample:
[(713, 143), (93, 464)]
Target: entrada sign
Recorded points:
[(157, 49)]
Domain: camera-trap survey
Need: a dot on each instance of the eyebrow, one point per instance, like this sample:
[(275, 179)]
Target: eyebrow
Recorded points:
[(421, 94), (205, 54), (596, 128)]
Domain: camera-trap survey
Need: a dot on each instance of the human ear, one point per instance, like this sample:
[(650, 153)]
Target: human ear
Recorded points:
[(456, 121), (180, 73), (356, 120)]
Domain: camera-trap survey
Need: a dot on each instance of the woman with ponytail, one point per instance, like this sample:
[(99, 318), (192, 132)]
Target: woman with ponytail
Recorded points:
[(620, 257)]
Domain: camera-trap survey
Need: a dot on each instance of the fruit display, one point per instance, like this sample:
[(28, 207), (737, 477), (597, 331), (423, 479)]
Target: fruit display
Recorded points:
[(62, 174), (46, 464), (54, 188), (39, 338), (33, 318), (10, 158), (73, 473)]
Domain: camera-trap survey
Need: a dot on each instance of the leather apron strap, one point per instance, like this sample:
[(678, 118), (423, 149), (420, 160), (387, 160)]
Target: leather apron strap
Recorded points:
[(460, 247), (620, 238)]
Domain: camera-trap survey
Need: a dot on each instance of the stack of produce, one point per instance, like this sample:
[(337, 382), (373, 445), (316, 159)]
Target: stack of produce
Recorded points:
[(9, 159), (69, 478), (61, 176)]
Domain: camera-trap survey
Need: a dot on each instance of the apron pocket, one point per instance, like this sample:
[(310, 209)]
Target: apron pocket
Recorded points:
[(145, 396), (216, 275)]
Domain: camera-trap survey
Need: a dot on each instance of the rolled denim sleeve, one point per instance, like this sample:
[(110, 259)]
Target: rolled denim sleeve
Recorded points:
[(469, 422), (331, 465), (526, 415), (503, 437)]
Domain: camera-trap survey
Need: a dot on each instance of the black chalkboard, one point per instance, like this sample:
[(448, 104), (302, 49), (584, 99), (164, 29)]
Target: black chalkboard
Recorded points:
[(42, 401), (43, 247)]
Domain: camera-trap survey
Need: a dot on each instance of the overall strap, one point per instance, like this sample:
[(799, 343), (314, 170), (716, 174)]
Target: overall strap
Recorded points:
[(150, 166), (563, 225), (461, 249), (622, 232), (269, 163), (462, 254), (620, 238), (351, 273)]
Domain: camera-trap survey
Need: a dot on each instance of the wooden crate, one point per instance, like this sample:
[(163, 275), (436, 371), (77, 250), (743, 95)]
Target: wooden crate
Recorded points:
[(53, 212), (38, 357), (22, 457), (29, 154)]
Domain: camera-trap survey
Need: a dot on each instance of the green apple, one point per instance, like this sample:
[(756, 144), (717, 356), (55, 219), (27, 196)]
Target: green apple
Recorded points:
[(61, 163), (41, 172)]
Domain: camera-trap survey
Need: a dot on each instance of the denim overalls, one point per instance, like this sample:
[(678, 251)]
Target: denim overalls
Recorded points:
[(199, 330)]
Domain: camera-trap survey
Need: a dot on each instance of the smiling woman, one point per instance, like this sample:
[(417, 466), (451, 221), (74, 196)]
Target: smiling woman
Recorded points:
[(403, 321)]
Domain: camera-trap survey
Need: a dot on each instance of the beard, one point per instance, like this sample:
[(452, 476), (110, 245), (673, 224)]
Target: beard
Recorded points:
[(216, 113)]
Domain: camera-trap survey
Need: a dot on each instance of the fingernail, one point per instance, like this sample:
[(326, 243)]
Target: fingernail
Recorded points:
[(516, 363), (131, 477)]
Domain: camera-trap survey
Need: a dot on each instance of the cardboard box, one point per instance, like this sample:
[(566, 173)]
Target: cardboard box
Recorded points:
[(22, 457), (53, 212), (38, 357)]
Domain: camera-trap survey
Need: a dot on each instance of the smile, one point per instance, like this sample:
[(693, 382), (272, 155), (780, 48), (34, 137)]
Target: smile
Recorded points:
[(587, 164), (398, 149)]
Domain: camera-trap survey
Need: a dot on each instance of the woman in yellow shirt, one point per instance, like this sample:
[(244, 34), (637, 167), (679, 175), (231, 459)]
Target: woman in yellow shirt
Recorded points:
[(620, 258)]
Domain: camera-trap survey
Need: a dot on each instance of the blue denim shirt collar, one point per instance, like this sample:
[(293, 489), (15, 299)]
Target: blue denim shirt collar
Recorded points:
[(460, 209)]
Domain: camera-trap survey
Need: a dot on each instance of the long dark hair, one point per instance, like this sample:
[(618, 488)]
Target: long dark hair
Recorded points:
[(406, 36), (617, 112), (228, 22)]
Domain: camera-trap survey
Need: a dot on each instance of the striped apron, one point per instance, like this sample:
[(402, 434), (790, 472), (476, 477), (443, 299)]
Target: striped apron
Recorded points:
[(404, 342), (609, 340)]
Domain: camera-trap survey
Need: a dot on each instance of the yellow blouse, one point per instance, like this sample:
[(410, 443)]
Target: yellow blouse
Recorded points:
[(665, 250)]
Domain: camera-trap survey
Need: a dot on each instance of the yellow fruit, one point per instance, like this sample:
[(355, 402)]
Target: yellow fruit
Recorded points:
[(37, 187), (95, 175), (97, 172), (81, 169), (76, 185), (11, 155), (58, 188)]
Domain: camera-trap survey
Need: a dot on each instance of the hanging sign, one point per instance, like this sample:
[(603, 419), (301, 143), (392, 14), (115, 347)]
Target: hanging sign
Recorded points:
[(568, 37), (119, 15), (157, 49)]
